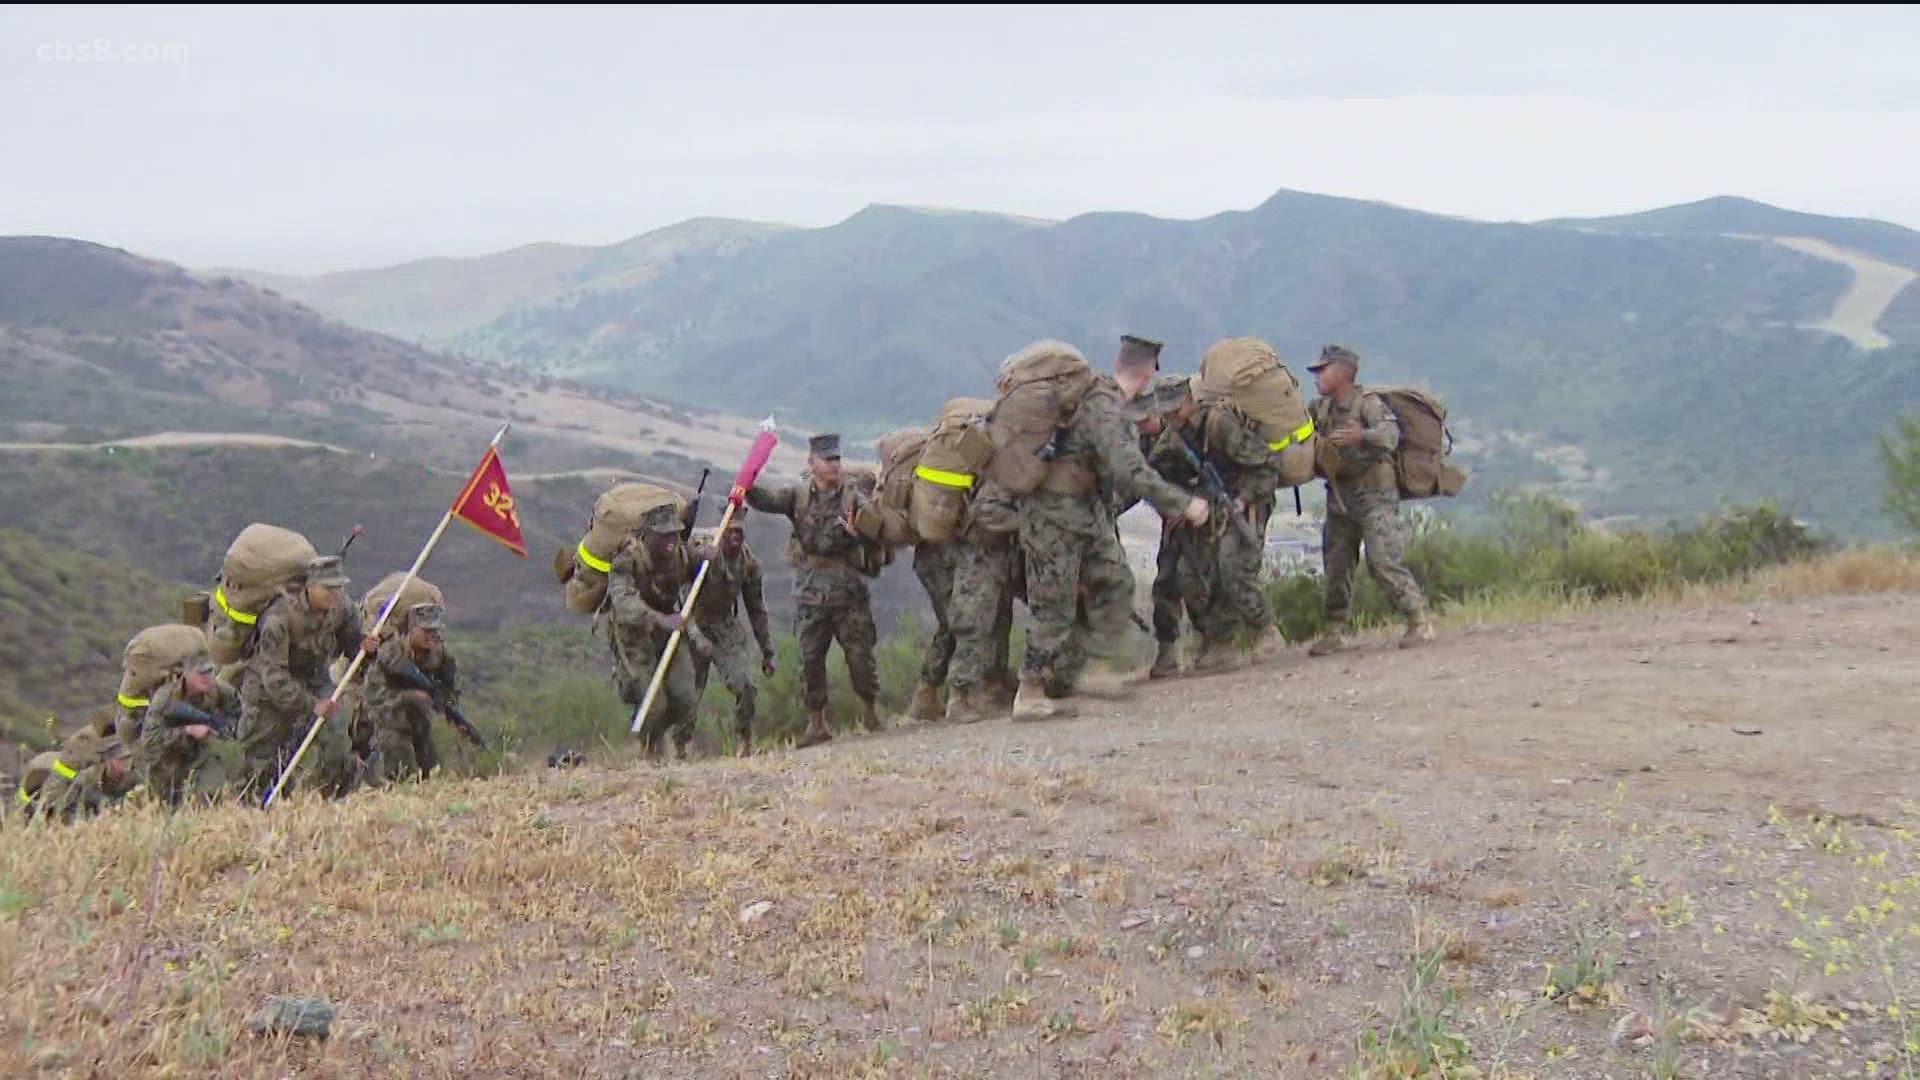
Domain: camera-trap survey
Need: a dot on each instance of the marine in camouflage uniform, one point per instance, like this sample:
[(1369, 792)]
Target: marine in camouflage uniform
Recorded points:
[(985, 559), (1241, 616), (733, 582), (933, 564), (1184, 562), (831, 598), (1072, 546), (411, 680), (1358, 436), (180, 720), (98, 779), (285, 683), (644, 592)]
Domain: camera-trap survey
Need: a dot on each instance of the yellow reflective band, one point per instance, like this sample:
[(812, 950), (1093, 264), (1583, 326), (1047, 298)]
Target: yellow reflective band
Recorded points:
[(231, 612), (133, 702), (64, 769), (1299, 435), (592, 560), (22, 794), (963, 481)]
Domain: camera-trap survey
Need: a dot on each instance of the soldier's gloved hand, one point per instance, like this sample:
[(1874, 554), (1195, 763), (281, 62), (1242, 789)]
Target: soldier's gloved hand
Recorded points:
[(768, 665), (370, 645), (670, 623), (324, 707), (198, 731), (1197, 512)]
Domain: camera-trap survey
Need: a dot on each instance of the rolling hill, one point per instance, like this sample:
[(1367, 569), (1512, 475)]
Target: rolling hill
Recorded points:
[(1643, 366)]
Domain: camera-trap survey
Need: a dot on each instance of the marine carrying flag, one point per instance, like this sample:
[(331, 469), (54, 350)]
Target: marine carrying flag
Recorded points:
[(487, 504)]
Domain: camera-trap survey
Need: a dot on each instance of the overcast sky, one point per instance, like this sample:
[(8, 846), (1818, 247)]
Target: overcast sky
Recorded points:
[(321, 139)]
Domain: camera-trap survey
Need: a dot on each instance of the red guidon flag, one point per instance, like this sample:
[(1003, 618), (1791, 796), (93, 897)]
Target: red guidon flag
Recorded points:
[(487, 504)]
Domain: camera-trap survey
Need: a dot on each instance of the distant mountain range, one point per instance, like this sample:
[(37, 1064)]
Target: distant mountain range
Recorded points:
[(1642, 365)]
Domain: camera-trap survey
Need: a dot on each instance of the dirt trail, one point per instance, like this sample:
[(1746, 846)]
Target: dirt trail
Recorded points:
[(1876, 283), (170, 440)]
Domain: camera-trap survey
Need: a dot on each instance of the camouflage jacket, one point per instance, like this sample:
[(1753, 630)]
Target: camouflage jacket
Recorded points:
[(1101, 439), (292, 648), (826, 556), (1234, 445), (392, 676), (642, 592), (164, 732), (88, 792), (1368, 466), (731, 583)]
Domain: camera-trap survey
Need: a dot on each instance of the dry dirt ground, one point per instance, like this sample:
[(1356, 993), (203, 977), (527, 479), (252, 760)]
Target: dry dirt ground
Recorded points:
[(1222, 877)]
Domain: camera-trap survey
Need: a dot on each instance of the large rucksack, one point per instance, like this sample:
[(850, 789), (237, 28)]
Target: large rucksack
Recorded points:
[(1421, 467), (957, 452), (1245, 374), (261, 561), (1041, 387), (151, 655), (616, 517), (418, 591), (886, 519)]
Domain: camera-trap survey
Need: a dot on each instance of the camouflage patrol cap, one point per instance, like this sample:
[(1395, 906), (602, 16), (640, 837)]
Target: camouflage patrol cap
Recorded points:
[(1138, 352), (1166, 394), (1336, 354), (825, 446), (329, 571), (427, 616)]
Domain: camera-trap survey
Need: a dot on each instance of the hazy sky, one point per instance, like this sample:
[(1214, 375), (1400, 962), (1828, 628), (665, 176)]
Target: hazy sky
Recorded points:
[(306, 139)]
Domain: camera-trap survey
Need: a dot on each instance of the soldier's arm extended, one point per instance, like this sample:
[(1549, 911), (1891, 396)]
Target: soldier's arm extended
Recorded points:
[(753, 596), (346, 640), (168, 718), (448, 678), (1382, 435), (1257, 464), (273, 666), (625, 599), (1118, 460), (773, 500)]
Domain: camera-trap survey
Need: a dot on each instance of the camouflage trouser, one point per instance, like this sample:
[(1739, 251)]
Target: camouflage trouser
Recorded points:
[(1183, 575), (1241, 611), (851, 623), (635, 655), (402, 744), (933, 565), (980, 612), (734, 656), (170, 776), (1064, 568), (268, 739), (1371, 518)]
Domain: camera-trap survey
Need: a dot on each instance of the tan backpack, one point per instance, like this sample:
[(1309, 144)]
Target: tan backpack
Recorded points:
[(1246, 375), (151, 655), (261, 561), (958, 451), (418, 591), (886, 519), (616, 517), (1421, 467), (1041, 387)]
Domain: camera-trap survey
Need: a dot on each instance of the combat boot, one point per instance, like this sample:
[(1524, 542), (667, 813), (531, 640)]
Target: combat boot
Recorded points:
[(870, 716), (964, 706), (926, 703), (999, 691), (743, 740), (1166, 662), (1217, 657), (1332, 639), (1104, 682), (1269, 644), (816, 732), (1419, 630), (1032, 703)]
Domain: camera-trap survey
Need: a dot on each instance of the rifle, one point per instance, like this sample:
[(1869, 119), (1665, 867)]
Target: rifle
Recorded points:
[(438, 695), (1216, 488), (693, 508), (184, 714), (461, 724)]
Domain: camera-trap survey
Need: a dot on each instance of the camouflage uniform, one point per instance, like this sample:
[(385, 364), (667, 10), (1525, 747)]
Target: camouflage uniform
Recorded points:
[(731, 584), (402, 730), (1070, 541), (1363, 500), (980, 611), (168, 757), (1184, 564), (92, 786), (830, 590), (642, 593), (285, 677), (933, 565), (1241, 613)]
